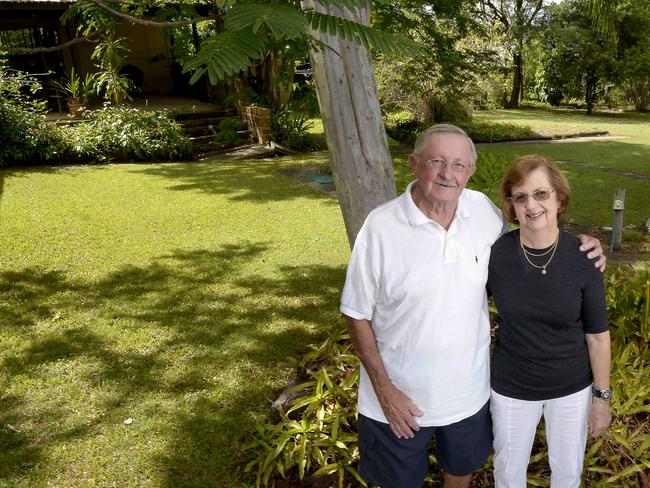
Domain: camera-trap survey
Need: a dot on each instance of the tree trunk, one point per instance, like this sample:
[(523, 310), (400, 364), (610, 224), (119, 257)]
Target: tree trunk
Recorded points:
[(517, 75), (590, 89), (355, 133), (280, 80)]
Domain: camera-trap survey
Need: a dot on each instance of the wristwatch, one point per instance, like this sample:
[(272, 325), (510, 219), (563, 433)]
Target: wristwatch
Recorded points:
[(603, 394)]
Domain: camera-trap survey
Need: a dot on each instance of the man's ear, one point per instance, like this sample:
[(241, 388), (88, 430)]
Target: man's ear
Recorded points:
[(413, 162)]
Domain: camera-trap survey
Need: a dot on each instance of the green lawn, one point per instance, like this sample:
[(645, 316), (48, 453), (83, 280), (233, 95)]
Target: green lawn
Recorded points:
[(174, 294), (169, 294)]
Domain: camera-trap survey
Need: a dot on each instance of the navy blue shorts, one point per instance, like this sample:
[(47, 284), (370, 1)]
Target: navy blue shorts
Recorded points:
[(390, 462)]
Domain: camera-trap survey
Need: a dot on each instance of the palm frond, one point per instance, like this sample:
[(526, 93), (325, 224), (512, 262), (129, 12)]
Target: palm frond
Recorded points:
[(283, 21), (225, 54)]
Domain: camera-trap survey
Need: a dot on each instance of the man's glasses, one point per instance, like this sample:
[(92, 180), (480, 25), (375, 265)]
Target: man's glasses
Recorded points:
[(538, 196), (456, 166)]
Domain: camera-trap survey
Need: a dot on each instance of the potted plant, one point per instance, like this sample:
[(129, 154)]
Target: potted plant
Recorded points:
[(76, 90)]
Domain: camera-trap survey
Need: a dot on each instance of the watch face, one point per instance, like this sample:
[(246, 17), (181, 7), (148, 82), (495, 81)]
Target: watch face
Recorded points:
[(605, 393)]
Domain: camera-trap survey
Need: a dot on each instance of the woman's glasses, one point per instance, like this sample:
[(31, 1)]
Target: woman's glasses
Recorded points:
[(538, 196)]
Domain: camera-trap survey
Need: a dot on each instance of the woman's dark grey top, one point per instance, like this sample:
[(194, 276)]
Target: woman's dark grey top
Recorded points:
[(540, 349)]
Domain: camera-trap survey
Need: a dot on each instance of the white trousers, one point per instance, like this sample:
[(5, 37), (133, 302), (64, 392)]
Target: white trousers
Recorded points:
[(515, 422)]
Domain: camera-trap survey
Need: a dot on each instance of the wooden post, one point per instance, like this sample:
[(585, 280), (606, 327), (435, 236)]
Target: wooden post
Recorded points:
[(356, 138), (617, 219)]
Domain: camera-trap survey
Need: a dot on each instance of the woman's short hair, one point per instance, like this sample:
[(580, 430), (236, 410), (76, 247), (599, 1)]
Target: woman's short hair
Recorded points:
[(519, 171)]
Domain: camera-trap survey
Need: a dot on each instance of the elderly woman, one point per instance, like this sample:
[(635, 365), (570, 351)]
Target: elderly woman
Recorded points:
[(552, 352)]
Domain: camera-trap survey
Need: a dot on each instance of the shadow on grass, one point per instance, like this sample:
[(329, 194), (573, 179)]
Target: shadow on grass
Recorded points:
[(210, 317), (252, 181)]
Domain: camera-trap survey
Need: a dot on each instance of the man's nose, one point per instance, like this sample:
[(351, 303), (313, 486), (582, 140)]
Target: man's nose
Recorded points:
[(445, 171)]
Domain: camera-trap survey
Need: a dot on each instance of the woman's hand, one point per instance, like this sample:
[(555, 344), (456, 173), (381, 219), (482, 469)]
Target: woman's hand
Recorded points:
[(600, 417)]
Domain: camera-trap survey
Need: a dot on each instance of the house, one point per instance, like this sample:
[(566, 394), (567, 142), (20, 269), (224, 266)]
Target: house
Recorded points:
[(37, 23)]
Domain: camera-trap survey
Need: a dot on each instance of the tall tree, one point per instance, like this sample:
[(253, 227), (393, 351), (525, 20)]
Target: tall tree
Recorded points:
[(579, 60), (516, 19), (438, 83)]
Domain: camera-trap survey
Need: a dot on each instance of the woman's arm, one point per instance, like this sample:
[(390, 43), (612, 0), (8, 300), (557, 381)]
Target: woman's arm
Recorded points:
[(599, 347)]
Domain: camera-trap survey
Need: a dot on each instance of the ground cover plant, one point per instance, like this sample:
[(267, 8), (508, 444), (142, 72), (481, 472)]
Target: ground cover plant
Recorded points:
[(316, 433)]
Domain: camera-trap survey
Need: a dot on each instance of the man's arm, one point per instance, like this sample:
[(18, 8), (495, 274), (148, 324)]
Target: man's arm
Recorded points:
[(591, 244), (397, 407), (600, 357)]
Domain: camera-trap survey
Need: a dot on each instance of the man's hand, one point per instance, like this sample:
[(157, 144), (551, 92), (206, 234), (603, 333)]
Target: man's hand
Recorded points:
[(600, 417), (591, 244), (399, 411)]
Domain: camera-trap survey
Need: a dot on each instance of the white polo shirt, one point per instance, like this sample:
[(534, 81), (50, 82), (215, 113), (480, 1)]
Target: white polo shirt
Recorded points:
[(423, 289)]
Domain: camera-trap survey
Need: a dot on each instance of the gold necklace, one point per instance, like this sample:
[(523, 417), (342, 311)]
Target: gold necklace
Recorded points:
[(552, 248)]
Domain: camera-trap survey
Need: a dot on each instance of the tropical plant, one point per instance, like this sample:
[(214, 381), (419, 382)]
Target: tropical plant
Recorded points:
[(291, 129), (110, 57), (76, 89), (438, 82), (316, 434)]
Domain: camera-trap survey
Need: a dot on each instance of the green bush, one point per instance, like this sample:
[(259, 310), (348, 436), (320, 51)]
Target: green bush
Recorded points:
[(124, 134), (227, 133), (25, 137), (316, 436), (484, 131), (480, 131), (291, 129), (406, 131)]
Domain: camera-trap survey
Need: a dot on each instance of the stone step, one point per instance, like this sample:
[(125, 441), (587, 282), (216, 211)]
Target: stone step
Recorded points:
[(217, 113), (213, 121)]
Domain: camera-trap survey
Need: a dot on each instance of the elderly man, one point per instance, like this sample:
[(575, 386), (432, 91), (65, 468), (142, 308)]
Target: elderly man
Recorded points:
[(416, 308)]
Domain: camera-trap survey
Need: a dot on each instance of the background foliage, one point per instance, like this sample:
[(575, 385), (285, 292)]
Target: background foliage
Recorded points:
[(25, 137), (127, 134)]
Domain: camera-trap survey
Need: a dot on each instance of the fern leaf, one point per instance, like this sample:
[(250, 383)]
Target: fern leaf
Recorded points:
[(347, 4), (283, 21), (392, 44), (225, 54)]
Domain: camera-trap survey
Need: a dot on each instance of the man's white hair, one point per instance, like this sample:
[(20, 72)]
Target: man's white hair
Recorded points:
[(424, 136)]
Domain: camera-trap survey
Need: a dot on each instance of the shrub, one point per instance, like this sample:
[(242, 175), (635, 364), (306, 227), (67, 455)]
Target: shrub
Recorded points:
[(123, 134), (479, 131), (25, 137), (406, 131), (291, 129), (227, 133), (487, 131)]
